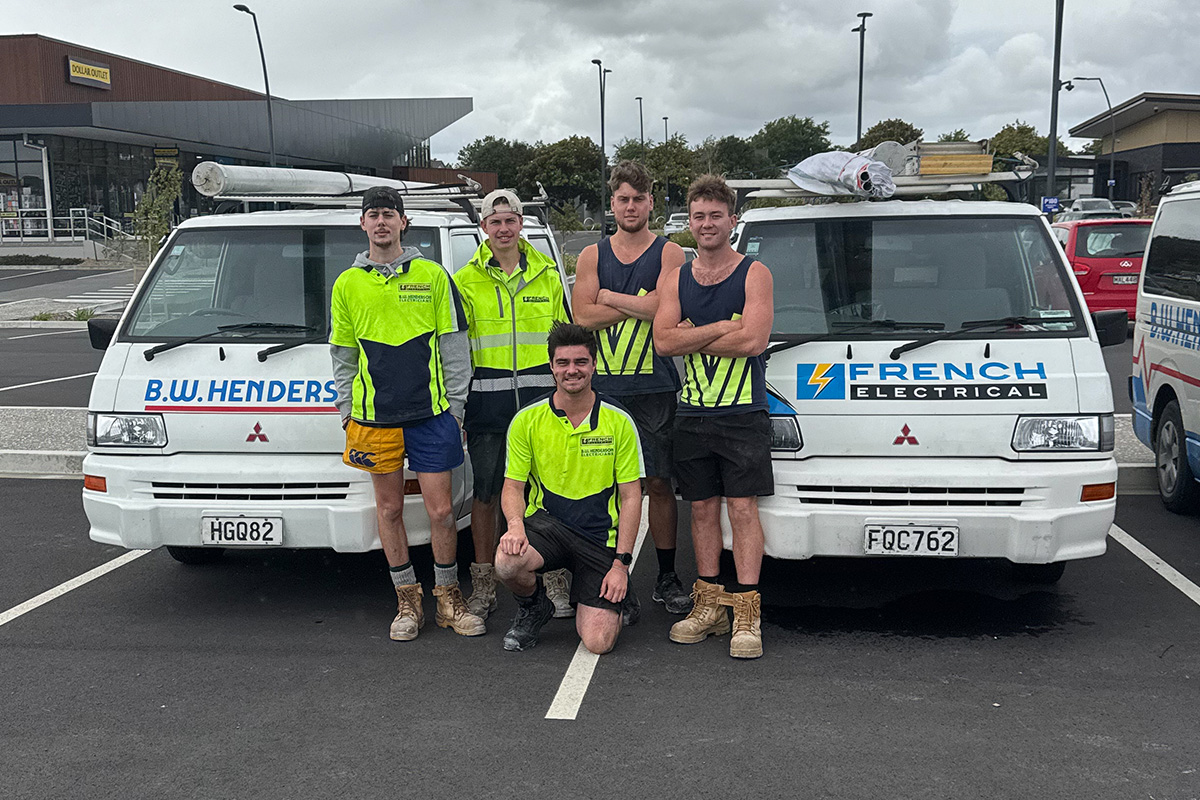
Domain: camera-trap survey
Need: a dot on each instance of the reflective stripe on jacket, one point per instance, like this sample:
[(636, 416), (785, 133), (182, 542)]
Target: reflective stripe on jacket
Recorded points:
[(507, 327)]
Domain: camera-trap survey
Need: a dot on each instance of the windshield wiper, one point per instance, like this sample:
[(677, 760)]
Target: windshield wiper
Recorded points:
[(967, 327), (243, 326), (279, 348), (855, 327)]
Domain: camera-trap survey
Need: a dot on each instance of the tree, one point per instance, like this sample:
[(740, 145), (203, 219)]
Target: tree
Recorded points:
[(505, 158), (1092, 148), (152, 217), (1021, 137), (631, 150), (956, 135), (673, 165), (569, 169), (889, 130), (739, 158), (790, 140)]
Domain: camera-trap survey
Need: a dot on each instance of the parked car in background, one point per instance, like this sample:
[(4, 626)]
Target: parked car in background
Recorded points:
[(1125, 206), (1070, 216), (1092, 204), (1106, 256), (676, 223)]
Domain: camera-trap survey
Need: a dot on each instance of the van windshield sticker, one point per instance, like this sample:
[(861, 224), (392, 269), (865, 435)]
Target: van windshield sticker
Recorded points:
[(1050, 313), (856, 380), (752, 247)]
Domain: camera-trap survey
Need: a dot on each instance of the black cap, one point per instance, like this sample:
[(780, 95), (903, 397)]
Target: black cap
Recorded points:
[(382, 197)]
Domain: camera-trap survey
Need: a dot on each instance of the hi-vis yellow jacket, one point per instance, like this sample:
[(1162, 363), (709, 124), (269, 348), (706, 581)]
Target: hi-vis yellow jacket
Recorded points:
[(507, 323)]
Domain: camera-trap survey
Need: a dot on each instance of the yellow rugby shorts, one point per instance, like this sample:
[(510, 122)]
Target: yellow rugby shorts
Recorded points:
[(379, 450)]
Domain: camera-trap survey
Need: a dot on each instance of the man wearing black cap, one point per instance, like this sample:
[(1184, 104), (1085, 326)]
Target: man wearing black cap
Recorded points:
[(401, 362)]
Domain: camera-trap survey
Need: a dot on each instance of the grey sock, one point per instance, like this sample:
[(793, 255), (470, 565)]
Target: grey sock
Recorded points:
[(445, 574), (404, 574)]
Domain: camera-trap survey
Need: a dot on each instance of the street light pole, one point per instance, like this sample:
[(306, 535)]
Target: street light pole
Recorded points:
[(603, 154), (862, 45), (1052, 156), (1112, 150), (666, 173), (641, 127), (266, 81)]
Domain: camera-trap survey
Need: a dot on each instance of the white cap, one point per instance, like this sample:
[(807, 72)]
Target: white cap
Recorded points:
[(505, 198)]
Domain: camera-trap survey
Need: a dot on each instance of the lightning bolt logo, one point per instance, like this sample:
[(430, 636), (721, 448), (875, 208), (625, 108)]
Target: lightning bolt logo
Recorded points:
[(818, 378)]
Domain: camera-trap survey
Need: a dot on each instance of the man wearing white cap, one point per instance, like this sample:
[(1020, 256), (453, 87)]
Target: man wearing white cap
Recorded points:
[(512, 294)]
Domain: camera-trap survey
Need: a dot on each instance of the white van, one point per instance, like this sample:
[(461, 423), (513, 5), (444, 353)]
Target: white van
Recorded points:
[(1165, 381), (211, 422), (937, 386)]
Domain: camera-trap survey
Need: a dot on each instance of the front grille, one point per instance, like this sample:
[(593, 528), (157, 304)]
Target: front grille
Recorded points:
[(918, 496), (252, 492)]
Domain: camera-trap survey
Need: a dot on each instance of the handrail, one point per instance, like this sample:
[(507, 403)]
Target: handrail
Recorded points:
[(80, 224)]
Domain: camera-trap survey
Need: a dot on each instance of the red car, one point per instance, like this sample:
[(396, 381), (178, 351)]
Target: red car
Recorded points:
[(1106, 255)]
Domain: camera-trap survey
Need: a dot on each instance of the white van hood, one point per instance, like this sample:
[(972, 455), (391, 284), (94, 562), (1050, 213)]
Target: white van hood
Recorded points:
[(219, 398), (950, 398)]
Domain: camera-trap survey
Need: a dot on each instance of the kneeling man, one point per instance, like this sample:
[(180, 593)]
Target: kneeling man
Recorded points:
[(579, 453)]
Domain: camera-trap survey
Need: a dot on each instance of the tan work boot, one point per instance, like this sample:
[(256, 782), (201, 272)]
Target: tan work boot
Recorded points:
[(482, 601), (707, 617), (559, 593), (452, 612), (409, 615), (747, 625)]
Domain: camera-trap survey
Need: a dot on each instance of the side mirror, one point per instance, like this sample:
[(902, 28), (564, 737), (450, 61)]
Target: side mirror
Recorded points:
[(1111, 326), (101, 330)]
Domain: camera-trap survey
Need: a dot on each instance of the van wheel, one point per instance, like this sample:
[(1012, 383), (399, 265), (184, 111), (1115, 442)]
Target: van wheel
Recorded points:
[(1176, 484), (1038, 573), (196, 556)]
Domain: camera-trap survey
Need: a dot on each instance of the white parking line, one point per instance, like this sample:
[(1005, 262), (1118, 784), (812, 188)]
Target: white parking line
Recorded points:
[(51, 380), (1172, 575), (575, 682), (51, 333), (74, 583)]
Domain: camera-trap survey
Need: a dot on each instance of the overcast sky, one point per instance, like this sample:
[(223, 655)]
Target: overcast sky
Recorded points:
[(715, 67)]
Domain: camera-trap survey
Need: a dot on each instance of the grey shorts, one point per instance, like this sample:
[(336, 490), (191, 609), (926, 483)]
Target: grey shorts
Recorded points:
[(487, 451), (654, 415)]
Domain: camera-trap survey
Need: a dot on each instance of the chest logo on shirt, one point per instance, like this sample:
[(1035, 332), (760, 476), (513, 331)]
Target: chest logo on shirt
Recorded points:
[(535, 298), (415, 292), (596, 446)]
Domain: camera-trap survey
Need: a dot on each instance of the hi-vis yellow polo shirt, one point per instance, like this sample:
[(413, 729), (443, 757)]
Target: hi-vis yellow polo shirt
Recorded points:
[(573, 472), (394, 321)]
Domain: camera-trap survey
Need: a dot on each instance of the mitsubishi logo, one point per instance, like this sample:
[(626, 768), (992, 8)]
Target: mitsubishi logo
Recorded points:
[(905, 437), (259, 436)]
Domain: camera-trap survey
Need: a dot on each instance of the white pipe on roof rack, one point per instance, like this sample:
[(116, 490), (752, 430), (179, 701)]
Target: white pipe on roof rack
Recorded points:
[(217, 180)]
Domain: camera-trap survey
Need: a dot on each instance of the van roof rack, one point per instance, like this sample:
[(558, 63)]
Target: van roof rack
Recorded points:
[(906, 186), (319, 189)]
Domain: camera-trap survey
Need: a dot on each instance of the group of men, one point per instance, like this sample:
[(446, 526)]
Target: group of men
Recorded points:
[(564, 419)]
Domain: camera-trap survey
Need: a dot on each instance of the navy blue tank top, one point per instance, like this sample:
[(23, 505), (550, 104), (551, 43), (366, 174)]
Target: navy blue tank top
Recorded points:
[(719, 385), (626, 363)]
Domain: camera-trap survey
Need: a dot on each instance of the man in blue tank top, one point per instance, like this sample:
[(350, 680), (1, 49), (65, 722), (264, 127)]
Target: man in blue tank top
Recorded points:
[(616, 296), (717, 312)]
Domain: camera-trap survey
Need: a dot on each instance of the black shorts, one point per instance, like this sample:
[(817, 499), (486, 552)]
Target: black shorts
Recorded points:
[(487, 451), (654, 415), (559, 547), (724, 456)]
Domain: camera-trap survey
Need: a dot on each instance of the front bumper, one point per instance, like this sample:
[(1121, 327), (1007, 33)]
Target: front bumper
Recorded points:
[(1027, 512), (152, 501)]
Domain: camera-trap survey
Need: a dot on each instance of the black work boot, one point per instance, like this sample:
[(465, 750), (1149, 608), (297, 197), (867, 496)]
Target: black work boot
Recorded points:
[(670, 593), (532, 613), (631, 609)]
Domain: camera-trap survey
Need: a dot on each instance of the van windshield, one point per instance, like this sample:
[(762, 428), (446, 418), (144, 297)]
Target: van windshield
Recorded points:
[(210, 279), (836, 276)]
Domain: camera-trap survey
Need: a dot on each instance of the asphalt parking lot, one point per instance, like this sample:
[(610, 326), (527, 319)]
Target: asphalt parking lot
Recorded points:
[(271, 675)]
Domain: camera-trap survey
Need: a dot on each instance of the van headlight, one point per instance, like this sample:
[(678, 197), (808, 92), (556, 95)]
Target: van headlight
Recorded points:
[(1049, 434), (126, 430), (785, 434)]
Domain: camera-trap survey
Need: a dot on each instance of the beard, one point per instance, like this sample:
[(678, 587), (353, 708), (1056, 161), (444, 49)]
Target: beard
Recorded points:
[(637, 229)]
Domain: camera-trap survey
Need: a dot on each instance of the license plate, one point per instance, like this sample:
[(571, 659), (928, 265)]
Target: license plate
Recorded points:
[(1125, 279), (910, 540), (241, 531)]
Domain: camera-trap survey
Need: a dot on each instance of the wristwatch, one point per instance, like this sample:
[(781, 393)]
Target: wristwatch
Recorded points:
[(625, 558)]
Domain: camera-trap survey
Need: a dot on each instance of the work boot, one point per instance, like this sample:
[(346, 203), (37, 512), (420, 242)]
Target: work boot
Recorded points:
[(452, 612), (631, 609), (482, 601), (532, 613), (559, 593), (707, 618), (746, 641), (409, 615), (670, 593)]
